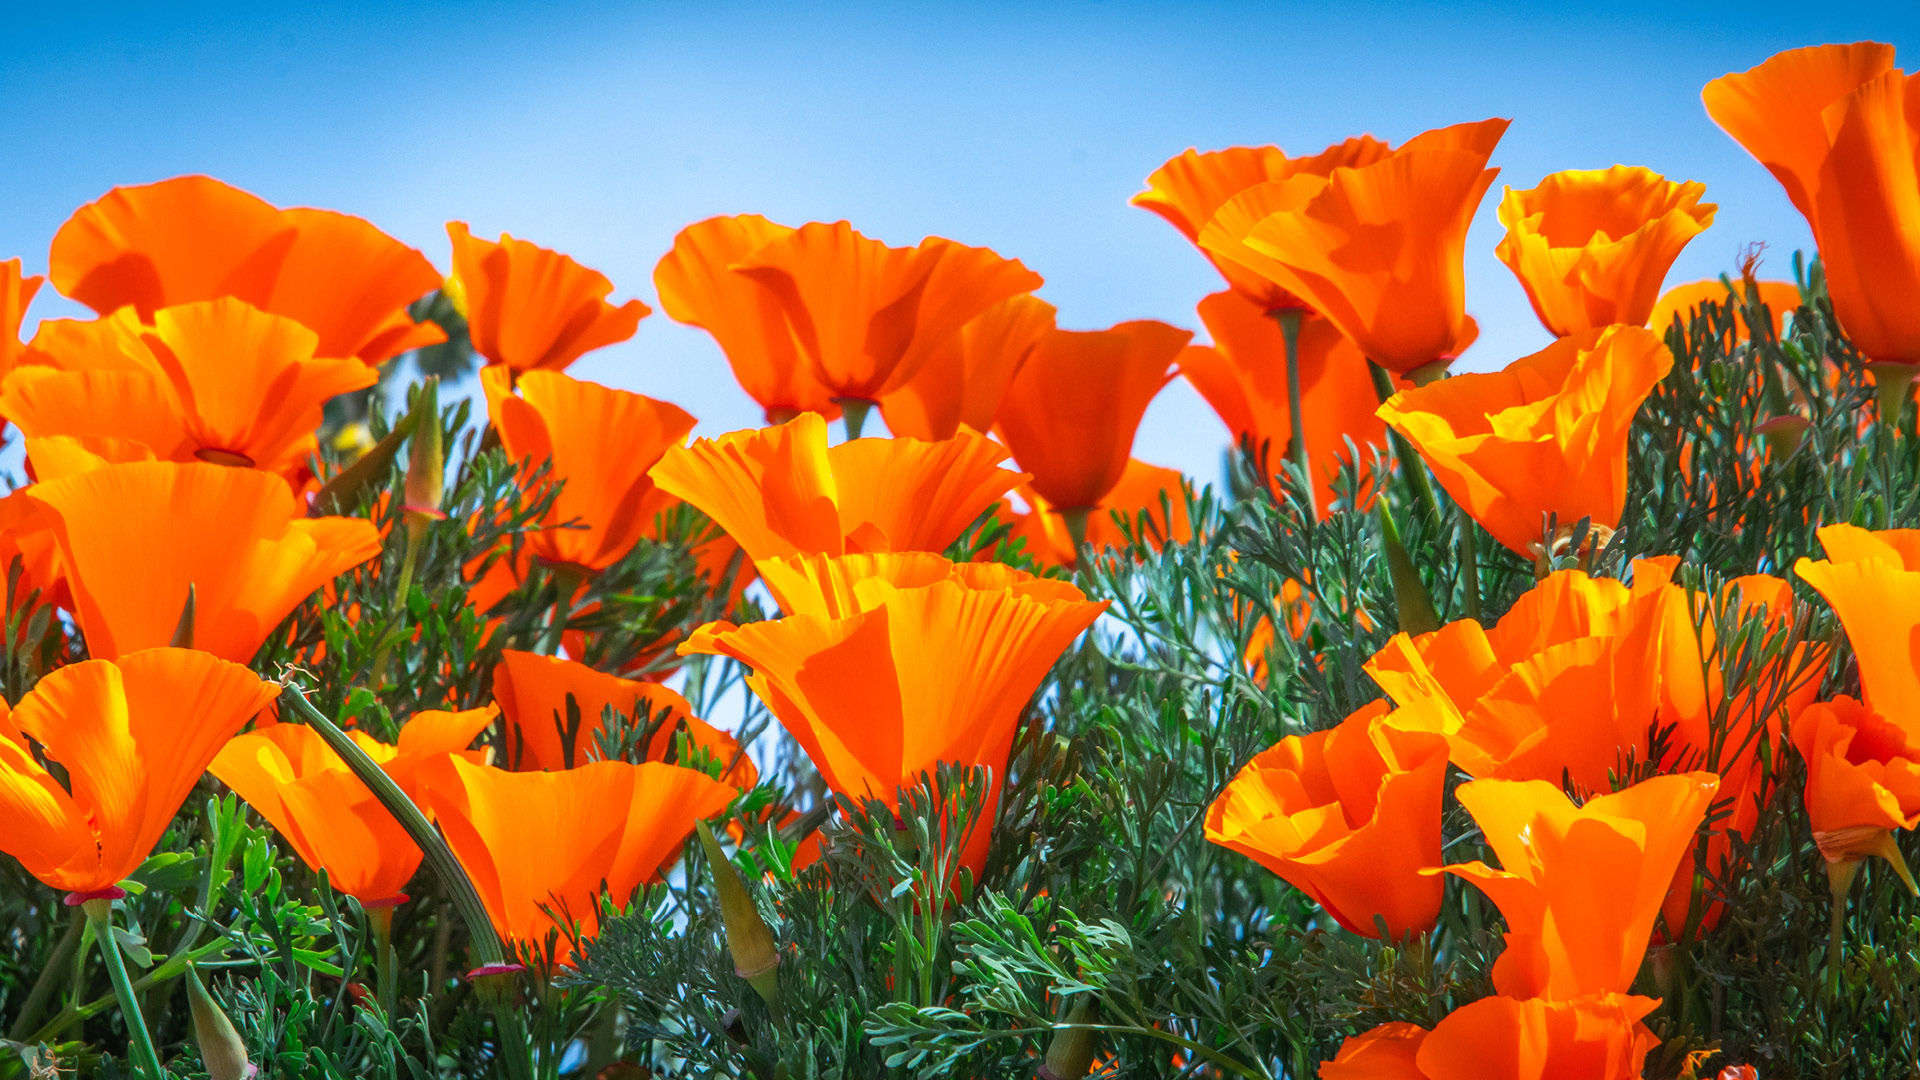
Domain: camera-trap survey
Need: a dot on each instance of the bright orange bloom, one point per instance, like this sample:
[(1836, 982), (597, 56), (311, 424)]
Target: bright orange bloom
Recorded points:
[(782, 491), (1599, 1037), (533, 690), (1839, 127), (1872, 581), (1243, 375), (194, 238), (1378, 248), (26, 534), (1190, 189), (1580, 886), (216, 381), (16, 292), (552, 839), (1863, 779), (532, 309), (1683, 302), (916, 676), (1140, 491), (134, 736), (600, 442), (866, 315), (1545, 434), (837, 586), (134, 537), (1071, 413), (1591, 246), (698, 287), (291, 777), (962, 383), (1349, 816)]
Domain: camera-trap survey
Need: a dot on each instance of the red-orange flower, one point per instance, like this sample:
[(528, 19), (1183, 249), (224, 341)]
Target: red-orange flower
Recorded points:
[(1599, 1037), (1863, 779), (1545, 434), (961, 384), (1350, 816), (16, 292), (531, 309), (1872, 582), (133, 736), (1071, 413), (195, 238), (133, 537), (291, 777), (1152, 490)]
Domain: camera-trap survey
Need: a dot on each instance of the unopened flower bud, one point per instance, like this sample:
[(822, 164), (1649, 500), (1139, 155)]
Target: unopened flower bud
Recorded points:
[(755, 957), (1070, 1055), (221, 1047), (427, 466)]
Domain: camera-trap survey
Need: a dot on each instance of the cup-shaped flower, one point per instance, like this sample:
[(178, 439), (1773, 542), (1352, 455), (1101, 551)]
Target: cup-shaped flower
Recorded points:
[(962, 383), (837, 586), (532, 309), (291, 777), (1871, 579), (1071, 413), (1151, 499), (533, 693), (1839, 127), (1592, 246), (540, 846), (134, 537), (1349, 816), (194, 238), (1580, 886), (867, 315), (782, 491), (134, 736), (599, 443), (1598, 1037), (1547, 434), (1683, 302), (16, 292), (1863, 779)]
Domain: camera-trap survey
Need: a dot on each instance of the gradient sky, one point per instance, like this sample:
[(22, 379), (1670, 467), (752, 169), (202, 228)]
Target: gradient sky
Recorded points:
[(600, 130)]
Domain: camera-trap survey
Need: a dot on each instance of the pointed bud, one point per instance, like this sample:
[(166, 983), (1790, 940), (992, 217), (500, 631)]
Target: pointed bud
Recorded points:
[(1409, 593), (183, 630), (755, 957), (221, 1047), (427, 467), (1070, 1055)]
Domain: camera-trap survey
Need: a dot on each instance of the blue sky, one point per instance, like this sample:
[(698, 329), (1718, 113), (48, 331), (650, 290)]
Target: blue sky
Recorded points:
[(600, 130)]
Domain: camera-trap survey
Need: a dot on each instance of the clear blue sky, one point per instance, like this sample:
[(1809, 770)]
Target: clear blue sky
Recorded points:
[(601, 130)]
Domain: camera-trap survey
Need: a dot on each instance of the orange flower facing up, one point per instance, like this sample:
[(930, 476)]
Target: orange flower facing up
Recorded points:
[(782, 491), (961, 384), (1598, 1037), (16, 292), (1378, 248), (1863, 781), (1071, 413), (134, 537), (1150, 490), (1683, 302), (1580, 887), (914, 676), (698, 287), (1591, 246), (195, 238), (1872, 582), (1546, 434), (551, 840), (531, 309), (1349, 816), (1839, 127), (215, 381), (533, 693), (291, 777), (866, 315), (134, 736), (600, 443)]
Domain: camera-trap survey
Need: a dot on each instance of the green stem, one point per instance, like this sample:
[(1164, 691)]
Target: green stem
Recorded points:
[(1417, 615), (1839, 880), (50, 974), (170, 968), (100, 913), (854, 412), (1469, 560), (385, 961), (1411, 464), (402, 587), (1289, 321)]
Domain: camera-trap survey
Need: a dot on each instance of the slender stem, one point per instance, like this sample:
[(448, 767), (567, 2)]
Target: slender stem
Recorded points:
[(1289, 321), (1469, 560), (169, 968), (1839, 880), (1411, 464), (402, 587), (100, 913), (49, 978), (385, 961)]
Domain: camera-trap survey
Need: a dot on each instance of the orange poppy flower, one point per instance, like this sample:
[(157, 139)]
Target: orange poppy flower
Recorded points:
[(1378, 248), (134, 736), (195, 238), (1580, 886), (1071, 413), (553, 840), (600, 442), (866, 315), (533, 690), (1863, 779), (216, 381), (962, 383), (532, 309), (1545, 434), (1591, 246), (1871, 579), (698, 287), (1140, 491), (133, 538), (16, 292), (1190, 189), (1839, 127), (292, 778), (833, 586), (26, 534), (1349, 816), (782, 491), (917, 676), (1598, 1037), (1683, 302)]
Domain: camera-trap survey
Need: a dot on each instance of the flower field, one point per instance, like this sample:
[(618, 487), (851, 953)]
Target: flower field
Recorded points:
[(377, 699)]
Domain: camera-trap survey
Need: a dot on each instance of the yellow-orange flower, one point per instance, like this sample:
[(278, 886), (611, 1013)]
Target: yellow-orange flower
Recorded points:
[(1591, 246), (1152, 490), (1598, 1037), (1863, 779), (531, 309), (961, 384), (1545, 434)]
